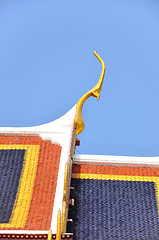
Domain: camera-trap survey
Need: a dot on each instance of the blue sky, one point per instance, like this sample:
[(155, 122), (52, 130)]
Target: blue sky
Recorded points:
[(47, 64)]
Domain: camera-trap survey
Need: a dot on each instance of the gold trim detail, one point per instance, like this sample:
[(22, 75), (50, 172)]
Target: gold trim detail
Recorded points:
[(79, 123), (67, 182), (58, 231), (49, 235)]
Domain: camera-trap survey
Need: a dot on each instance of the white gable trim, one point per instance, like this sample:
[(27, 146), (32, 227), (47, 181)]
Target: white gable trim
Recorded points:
[(116, 160)]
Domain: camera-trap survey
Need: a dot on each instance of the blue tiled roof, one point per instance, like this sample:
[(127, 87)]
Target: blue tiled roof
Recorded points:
[(113, 210), (11, 163)]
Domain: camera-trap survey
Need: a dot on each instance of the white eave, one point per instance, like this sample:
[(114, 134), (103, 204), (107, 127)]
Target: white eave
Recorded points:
[(53, 131), (116, 160)]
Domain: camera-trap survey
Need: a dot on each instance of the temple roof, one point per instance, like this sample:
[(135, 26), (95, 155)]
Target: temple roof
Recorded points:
[(35, 174), (29, 171), (32, 175), (114, 202)]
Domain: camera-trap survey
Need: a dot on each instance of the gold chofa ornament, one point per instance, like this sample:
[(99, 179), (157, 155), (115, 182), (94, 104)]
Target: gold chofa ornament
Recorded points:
[(79, 123)]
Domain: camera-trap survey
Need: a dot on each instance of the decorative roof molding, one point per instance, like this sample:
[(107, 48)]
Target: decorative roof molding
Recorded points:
[(54, 131), (116, 160), (79, 122)]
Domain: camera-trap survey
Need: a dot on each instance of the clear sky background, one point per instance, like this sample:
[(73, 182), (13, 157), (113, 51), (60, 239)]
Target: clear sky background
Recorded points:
[(47, 64)]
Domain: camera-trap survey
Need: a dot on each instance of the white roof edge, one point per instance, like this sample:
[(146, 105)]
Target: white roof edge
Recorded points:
[(66, 142), (53, 131), (63, 121), (116, 160)]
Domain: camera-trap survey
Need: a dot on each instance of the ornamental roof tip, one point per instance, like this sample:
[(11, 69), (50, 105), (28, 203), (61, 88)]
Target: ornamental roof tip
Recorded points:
[(72, 118), (95, 92)]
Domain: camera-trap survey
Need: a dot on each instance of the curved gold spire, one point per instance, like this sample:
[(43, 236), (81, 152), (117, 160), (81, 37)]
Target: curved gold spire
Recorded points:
[(79, 123)]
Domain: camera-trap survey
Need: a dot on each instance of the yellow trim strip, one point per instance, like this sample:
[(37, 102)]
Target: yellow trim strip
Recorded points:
[(49, 235), (122, 178), (58, 230), (115, 177), (26, 184)]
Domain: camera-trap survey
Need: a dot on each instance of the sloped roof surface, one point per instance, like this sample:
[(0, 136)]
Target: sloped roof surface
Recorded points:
[(28, 177), (115, 202)]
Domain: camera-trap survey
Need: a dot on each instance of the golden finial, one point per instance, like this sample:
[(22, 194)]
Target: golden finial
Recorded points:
[(79, 123)]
